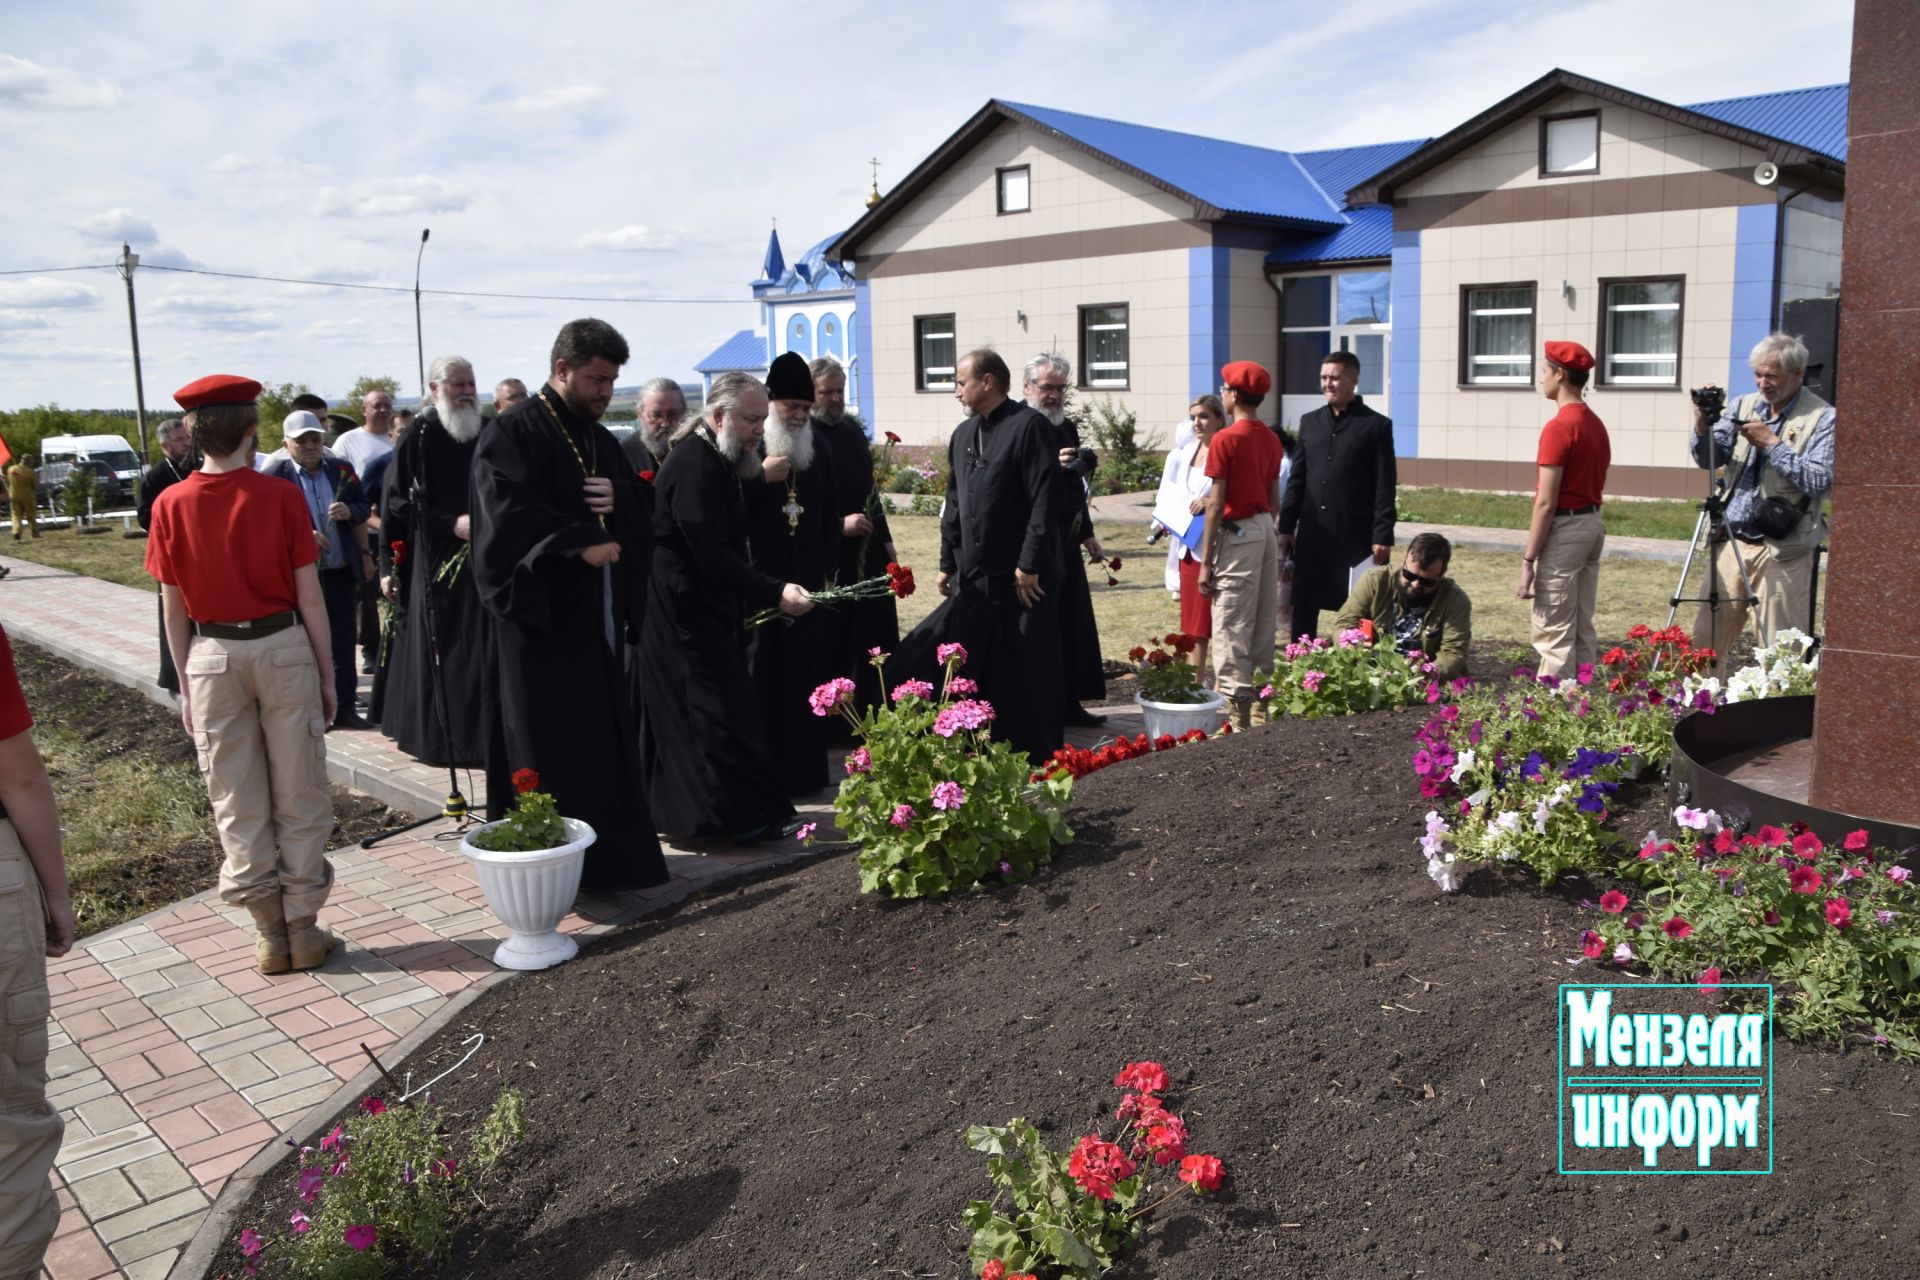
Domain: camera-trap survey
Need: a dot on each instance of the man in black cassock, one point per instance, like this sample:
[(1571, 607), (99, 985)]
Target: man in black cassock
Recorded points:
[(703, 729), (1000, 555), (1339, 507), (177, 462), (438, 717), (866, 543), (1084, 678), (560, 548), (658, 413), (793, 535)]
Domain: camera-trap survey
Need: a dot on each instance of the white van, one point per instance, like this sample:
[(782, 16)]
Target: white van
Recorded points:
[(111, 457)]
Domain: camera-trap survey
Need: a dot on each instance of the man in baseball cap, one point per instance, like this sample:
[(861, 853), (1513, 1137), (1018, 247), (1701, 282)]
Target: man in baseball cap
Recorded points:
[(234, 554), (1239, 555)]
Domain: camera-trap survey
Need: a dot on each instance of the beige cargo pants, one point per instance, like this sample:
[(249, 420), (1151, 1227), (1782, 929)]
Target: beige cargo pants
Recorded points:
[(1783, 591), (260, 734), (30, 1130), (1566, 590), (1246, 602)]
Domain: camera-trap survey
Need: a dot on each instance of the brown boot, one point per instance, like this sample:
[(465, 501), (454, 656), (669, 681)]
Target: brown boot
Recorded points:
[(270, 950), (1243, 713), (309, 943)]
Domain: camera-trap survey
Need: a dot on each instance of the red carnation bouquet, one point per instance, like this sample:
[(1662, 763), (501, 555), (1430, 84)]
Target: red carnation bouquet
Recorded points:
[(897, 582)]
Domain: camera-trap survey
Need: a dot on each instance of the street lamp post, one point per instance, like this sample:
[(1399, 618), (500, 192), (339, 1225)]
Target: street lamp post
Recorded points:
[(419, 339), (128, 261)]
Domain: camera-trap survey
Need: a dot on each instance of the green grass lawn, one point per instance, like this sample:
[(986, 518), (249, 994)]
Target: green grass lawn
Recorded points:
[(104, 555), (1631, 591), (1623, 517)]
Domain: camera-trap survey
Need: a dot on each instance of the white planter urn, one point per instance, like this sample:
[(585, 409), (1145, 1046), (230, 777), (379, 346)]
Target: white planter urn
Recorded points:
[(531, 893), (1177, 718)]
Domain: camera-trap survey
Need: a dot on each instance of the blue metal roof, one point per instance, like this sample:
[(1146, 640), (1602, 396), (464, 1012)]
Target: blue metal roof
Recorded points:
[(1812, 118), (1341, 169), (745, 351), (1231, 176), (1368, 234), (812, 272)]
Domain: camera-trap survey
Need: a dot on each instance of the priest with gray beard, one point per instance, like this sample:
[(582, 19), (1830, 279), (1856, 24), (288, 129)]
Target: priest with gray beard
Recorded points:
[(793, 535), (435, 718), (703, 726)]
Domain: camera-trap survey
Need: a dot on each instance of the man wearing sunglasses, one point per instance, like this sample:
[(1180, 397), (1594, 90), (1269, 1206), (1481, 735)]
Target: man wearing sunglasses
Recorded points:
[(1417, 607)]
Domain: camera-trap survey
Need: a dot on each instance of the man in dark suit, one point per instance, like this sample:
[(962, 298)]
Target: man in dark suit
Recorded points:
[(176, 464), (337, 505), (1341, 490)]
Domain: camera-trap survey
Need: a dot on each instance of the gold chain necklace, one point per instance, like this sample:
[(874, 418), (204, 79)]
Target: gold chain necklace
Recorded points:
[(586, 471)]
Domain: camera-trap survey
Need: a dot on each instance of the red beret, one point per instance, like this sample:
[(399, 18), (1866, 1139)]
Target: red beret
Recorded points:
[(217, 388), (1246, 376), (1570, 355)]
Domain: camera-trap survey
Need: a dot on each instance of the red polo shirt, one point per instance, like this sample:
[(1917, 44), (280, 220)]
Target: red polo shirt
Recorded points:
[(1244, 457), (231, 541), (1576, 440), (15, 719)]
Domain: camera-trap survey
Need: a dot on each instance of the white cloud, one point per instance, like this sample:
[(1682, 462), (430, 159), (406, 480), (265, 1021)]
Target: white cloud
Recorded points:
[(633, 238), (33, 87), (23, 320), (385, 197), (573, 97), (44, 291), (204, 303), (118, 225), (275, 169), (162, 255)]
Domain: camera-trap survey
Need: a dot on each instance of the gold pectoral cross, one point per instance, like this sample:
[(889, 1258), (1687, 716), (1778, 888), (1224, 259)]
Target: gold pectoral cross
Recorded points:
[(793, 511)]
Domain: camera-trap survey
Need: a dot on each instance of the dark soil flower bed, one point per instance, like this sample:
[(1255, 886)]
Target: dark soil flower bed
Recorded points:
[(776, 1080)]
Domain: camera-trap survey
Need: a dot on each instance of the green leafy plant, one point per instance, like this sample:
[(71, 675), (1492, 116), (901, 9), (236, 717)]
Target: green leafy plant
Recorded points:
[(1077, 1214), (1128, 462), (1165, 673), (1834, 928), (1313, 678), (83, 493), (534, 823), (935, 804), (383, 1193)]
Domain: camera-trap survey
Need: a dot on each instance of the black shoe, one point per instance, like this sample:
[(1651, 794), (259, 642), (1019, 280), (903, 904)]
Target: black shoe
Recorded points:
[(349, 720), (782, 830), (1081, 718)]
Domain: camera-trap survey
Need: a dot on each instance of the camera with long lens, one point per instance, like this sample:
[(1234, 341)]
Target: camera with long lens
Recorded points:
[(1710, 400)]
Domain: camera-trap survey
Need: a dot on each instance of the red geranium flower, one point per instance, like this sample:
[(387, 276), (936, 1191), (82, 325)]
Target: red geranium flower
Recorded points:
[(1147, 1077), (1097, 1165), (994, 1270), (525, 780), (1710, 980), (1202, 1172), (1678, 929)]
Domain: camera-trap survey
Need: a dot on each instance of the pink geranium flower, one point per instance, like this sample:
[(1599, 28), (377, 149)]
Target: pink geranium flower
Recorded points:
[(960, 685), (948, 795), (826, 699), (1312, 681), (912, 689), (946, 651), (902, 815), (860, 761)]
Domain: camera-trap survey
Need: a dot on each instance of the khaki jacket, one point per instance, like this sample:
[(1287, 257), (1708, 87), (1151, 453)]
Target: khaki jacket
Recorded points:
[(1445, 632)]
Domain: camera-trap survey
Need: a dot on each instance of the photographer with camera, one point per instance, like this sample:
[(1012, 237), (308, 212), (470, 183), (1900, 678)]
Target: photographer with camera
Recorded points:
[(1777, 449)]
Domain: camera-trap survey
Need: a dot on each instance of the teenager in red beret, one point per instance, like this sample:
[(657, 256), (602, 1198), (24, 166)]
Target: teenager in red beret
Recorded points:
[(1560, 569), (234, 554), (1239, 554)]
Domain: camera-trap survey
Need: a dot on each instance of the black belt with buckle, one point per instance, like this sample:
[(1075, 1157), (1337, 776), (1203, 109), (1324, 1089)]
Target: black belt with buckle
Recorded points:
[(1578, 511), (248, 630)]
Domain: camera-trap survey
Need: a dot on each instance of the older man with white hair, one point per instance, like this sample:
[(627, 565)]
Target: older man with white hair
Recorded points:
[(703, 731), (1048, 375), (1777, 449), (432, 706), (661, 410)]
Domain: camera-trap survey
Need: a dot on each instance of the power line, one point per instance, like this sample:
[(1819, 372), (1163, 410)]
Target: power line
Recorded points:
[(44, 271), (442, 293)]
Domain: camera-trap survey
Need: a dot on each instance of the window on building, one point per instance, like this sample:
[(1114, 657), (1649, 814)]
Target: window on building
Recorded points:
[(1570, 144), (934, 356), (1496, 335), (1640, 332), (1364, 297), (1344, 311), (1103, 345), (1016, 190)]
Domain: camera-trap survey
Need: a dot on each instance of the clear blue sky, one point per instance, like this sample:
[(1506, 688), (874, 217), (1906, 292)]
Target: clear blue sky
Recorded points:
[(641, 149)]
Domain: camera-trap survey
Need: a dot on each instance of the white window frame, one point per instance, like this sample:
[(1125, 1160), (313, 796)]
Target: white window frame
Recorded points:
[(1000, 184), (1471, 358), (1609, 377), (1099, 375), (928, 377), (1565, 119)]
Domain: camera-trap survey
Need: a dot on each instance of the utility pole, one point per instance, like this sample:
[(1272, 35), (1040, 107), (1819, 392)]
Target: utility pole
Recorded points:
[(419, 338), (128, 261)]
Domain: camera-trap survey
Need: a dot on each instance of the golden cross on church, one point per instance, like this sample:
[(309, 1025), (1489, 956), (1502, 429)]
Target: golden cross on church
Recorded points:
[(873, 197)]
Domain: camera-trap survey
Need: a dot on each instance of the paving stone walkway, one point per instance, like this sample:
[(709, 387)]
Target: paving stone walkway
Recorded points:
[(176, 1064)]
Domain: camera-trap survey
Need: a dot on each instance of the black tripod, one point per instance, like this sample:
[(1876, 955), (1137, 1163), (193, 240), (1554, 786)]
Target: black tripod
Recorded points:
[(455, 809), (1711, 530)]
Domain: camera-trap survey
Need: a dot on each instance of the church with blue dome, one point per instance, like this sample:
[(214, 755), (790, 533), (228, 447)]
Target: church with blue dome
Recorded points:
[(806, 306)]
